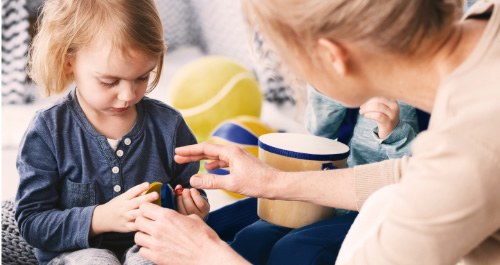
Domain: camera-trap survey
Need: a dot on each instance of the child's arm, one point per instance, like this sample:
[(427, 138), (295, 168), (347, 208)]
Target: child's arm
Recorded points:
[(397, 125), (324, 116), (39, 217)]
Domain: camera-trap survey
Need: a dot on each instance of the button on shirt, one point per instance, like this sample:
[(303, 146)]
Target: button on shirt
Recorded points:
[(66, 168)]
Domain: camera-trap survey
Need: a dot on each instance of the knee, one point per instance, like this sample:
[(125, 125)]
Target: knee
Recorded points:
[(87, 256)]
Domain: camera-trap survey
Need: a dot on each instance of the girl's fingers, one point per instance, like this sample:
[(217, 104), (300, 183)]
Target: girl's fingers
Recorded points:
[(150, 197), (189, 204), (199, 201), (136, 190), (180, 204)]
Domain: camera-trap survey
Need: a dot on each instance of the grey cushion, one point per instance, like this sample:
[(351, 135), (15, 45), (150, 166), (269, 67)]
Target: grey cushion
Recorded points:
[(14, 249), (180, 25), (224, 29)]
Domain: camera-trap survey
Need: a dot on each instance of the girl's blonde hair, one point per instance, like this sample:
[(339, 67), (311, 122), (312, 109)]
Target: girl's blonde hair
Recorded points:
[(396, 26), (65, 26)]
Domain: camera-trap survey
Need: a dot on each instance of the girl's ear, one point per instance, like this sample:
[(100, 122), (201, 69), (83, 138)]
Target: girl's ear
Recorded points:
[(334, 54), (69, 62)]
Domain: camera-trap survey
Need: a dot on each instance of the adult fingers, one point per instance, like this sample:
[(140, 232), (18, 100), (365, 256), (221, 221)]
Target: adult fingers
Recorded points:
[(198, 152), (147, 253), (142, 239), (216, 164), (152, 211), (209, 181), (144, 225)]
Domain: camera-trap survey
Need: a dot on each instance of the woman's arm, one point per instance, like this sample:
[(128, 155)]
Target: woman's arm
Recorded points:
[(341, 188)]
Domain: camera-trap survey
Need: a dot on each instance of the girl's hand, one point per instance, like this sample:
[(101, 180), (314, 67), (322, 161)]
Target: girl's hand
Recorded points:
[(119, 214), (191, 202), (384, 111)]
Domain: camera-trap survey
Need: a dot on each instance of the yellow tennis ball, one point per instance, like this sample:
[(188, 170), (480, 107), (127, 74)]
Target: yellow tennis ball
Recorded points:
[(243, 131), (212, 89)]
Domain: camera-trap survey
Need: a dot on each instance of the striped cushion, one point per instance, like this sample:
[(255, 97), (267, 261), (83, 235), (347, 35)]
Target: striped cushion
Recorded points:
[(15, 41)]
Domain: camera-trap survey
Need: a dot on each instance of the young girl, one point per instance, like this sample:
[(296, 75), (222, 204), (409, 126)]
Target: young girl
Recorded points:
[(85, 161)]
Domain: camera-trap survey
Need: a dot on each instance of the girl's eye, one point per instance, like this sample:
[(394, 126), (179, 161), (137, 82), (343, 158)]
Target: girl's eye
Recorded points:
[(144, 78), (111, 84)]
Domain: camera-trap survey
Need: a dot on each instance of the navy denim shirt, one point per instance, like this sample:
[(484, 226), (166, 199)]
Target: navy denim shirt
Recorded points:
[(66, 168)]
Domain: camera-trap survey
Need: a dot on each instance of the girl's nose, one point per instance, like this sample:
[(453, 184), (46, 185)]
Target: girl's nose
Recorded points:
[(127, 92)]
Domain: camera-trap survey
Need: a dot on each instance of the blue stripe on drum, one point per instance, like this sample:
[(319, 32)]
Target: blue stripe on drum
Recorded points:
[(219, 171), (303, 156), (236, 134)]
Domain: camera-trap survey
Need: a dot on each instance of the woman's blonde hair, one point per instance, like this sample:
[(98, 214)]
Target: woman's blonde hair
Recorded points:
[(65, 26), (396, 26)]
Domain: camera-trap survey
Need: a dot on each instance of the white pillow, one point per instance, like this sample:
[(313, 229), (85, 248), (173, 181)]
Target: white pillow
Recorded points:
[(172, 62)]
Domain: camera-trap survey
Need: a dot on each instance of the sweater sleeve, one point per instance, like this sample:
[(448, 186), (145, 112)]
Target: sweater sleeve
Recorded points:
[(369, 178), (445, 206), (41, 222)]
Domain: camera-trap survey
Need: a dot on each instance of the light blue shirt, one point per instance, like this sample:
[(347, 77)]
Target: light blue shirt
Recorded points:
[(324, 117)]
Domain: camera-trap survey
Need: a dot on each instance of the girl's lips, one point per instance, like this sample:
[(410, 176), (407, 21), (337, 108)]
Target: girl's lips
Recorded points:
[(119, 109)]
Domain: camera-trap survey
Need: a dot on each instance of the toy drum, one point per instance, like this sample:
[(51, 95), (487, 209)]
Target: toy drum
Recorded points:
[(298, 152)]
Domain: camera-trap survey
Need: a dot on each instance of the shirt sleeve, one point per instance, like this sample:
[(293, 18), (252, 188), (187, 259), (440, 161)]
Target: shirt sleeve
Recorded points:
[(445, 205), (40, 220), (398, 142), (323, 115)]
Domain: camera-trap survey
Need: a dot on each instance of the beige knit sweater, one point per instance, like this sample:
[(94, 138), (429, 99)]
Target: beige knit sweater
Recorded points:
[(448, 194)]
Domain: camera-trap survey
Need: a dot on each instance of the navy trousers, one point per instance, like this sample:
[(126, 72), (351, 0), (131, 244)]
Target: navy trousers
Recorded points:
[(263, 243)]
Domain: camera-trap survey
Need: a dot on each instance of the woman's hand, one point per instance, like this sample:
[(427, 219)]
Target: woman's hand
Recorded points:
[(118, 215), (384, 111), (248, 175), (167, 237), (191, 202)]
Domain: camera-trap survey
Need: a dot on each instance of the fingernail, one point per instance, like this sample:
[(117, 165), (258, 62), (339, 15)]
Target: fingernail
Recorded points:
[(196, 181)]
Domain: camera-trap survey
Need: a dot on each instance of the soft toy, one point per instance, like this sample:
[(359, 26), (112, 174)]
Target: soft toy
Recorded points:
[(243, 131), (167, 196), (212, 89)]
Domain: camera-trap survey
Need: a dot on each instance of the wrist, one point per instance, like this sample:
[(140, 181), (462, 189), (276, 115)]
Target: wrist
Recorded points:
[(278, 182), (230, 256), (97, 226)]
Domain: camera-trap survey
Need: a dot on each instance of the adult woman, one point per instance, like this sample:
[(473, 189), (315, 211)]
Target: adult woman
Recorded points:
[(445, 204)]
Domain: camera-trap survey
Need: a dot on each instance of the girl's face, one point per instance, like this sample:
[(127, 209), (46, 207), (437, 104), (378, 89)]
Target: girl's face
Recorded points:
[(110, 81)]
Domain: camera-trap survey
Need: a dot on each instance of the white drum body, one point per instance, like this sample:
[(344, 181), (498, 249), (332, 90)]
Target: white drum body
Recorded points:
[(298, 152)]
